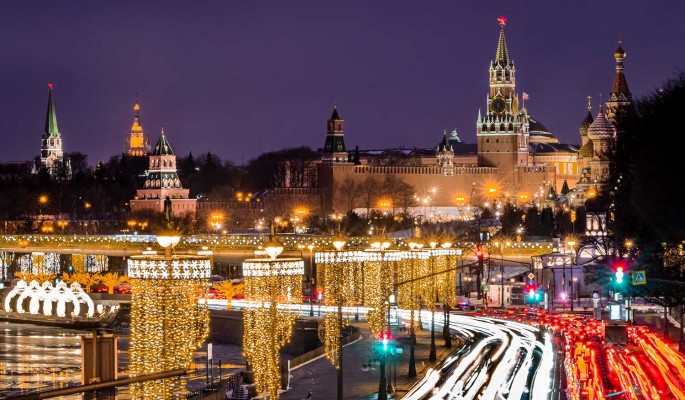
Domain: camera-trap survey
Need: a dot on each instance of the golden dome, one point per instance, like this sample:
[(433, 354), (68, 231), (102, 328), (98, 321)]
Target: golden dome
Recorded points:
[(619, 53)]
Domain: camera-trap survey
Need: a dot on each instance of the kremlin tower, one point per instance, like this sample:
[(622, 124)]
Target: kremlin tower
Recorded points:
[(162, 184), (51, 154), (137, 144), (334, 148), (503, 131)]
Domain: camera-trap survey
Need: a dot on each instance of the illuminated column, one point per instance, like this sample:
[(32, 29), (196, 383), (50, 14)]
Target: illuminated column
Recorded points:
[(167, 323), (269, 283)]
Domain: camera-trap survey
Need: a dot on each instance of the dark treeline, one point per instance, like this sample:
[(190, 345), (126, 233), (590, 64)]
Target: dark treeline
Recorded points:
[(103, 191)]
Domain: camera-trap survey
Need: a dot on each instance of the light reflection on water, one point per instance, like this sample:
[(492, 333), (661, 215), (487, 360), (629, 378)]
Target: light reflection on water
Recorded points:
[(38, 358)]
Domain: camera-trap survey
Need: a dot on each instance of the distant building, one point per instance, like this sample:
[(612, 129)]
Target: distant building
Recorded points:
[(162, 182), (516, 157), (51, 154), (137, 144)]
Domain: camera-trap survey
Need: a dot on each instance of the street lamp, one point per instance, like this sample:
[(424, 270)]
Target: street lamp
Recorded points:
[(339, 243), (432, 356), (572, 243), (446, 334), (311, 280), (42, 201)]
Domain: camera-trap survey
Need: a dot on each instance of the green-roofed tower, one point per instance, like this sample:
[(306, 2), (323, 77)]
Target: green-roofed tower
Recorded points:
[(51, 154)]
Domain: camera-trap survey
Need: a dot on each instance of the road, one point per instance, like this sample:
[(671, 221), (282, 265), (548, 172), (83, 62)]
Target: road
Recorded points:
[(502, 359)]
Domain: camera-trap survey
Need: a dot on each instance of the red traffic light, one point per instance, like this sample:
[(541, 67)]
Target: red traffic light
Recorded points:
[(479, 253)]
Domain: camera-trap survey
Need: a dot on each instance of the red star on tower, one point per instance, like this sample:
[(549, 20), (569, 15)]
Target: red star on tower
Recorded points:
[(502, 21)]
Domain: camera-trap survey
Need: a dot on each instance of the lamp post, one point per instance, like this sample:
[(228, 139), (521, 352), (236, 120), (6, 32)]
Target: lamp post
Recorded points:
[(446, 334), (572, 243), (377, 299), (311, 280), (432, 356), (412, 331), (339, 243)]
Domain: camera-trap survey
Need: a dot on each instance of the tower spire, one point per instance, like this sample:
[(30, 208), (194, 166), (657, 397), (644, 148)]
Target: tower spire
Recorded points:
[(51, 129), (619, 90), (502, 55)]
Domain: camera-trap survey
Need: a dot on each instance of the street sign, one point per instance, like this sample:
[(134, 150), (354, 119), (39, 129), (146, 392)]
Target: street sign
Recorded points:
[(639, 278), (531, 276), (486, 288)]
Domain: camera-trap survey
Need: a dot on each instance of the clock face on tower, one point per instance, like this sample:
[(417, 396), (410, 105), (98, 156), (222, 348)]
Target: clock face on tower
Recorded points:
[(498, 105)]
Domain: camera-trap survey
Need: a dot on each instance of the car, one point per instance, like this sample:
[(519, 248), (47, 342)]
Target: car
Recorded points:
[(99, 288), (122, 289)]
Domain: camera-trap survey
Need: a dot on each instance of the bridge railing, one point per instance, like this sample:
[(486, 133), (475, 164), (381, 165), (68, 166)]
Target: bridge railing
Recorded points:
[(217, 242)]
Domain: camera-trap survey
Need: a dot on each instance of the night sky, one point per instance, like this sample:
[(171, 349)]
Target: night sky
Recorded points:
[(237, 77)]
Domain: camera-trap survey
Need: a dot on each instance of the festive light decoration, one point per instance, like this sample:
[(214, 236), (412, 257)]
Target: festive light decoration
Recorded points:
[(45, 294), (167, 321), (380, 273), (409, 294), (267, 328), (339, 274), (216, 242)]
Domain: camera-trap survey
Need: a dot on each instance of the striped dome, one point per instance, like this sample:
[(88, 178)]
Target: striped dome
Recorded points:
[(601, 128)]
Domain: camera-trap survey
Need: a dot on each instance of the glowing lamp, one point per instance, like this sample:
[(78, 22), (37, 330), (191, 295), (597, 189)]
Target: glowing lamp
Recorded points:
[(446, 245), (168, 241), (338, 243), (272, 248), (433, 244), (385, 244)]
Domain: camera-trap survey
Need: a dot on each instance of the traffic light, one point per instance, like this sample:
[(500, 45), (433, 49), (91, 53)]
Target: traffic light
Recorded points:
[(531, 292), (385, 337), (319, 295), (619, 274), (479, 254)]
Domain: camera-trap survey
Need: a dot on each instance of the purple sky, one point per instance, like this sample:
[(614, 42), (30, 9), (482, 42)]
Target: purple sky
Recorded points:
[(232, 77)]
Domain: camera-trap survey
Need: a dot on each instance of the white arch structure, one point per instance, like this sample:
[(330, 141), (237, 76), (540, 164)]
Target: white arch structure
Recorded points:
[(47, 294)]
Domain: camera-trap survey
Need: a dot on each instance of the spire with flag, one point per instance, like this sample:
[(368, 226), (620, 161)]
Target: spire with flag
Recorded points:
[(51, 129)]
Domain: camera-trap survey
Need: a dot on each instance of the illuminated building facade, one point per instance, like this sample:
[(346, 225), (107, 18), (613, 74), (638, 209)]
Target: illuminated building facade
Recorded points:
[(162, 183), (516, 157), (137, 143)]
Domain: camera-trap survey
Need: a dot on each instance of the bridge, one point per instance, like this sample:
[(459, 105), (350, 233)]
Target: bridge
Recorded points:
[(225, 248)]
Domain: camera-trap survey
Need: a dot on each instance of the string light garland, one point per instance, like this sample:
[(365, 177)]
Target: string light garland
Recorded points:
[(269, 282), (340, 279), (409, 294), (167, 322), (380, 271)]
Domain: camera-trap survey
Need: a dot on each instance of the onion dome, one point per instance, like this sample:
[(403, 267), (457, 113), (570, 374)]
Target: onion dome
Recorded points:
[(587, 150), (619, 52), (601, 128), (586, 123)]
